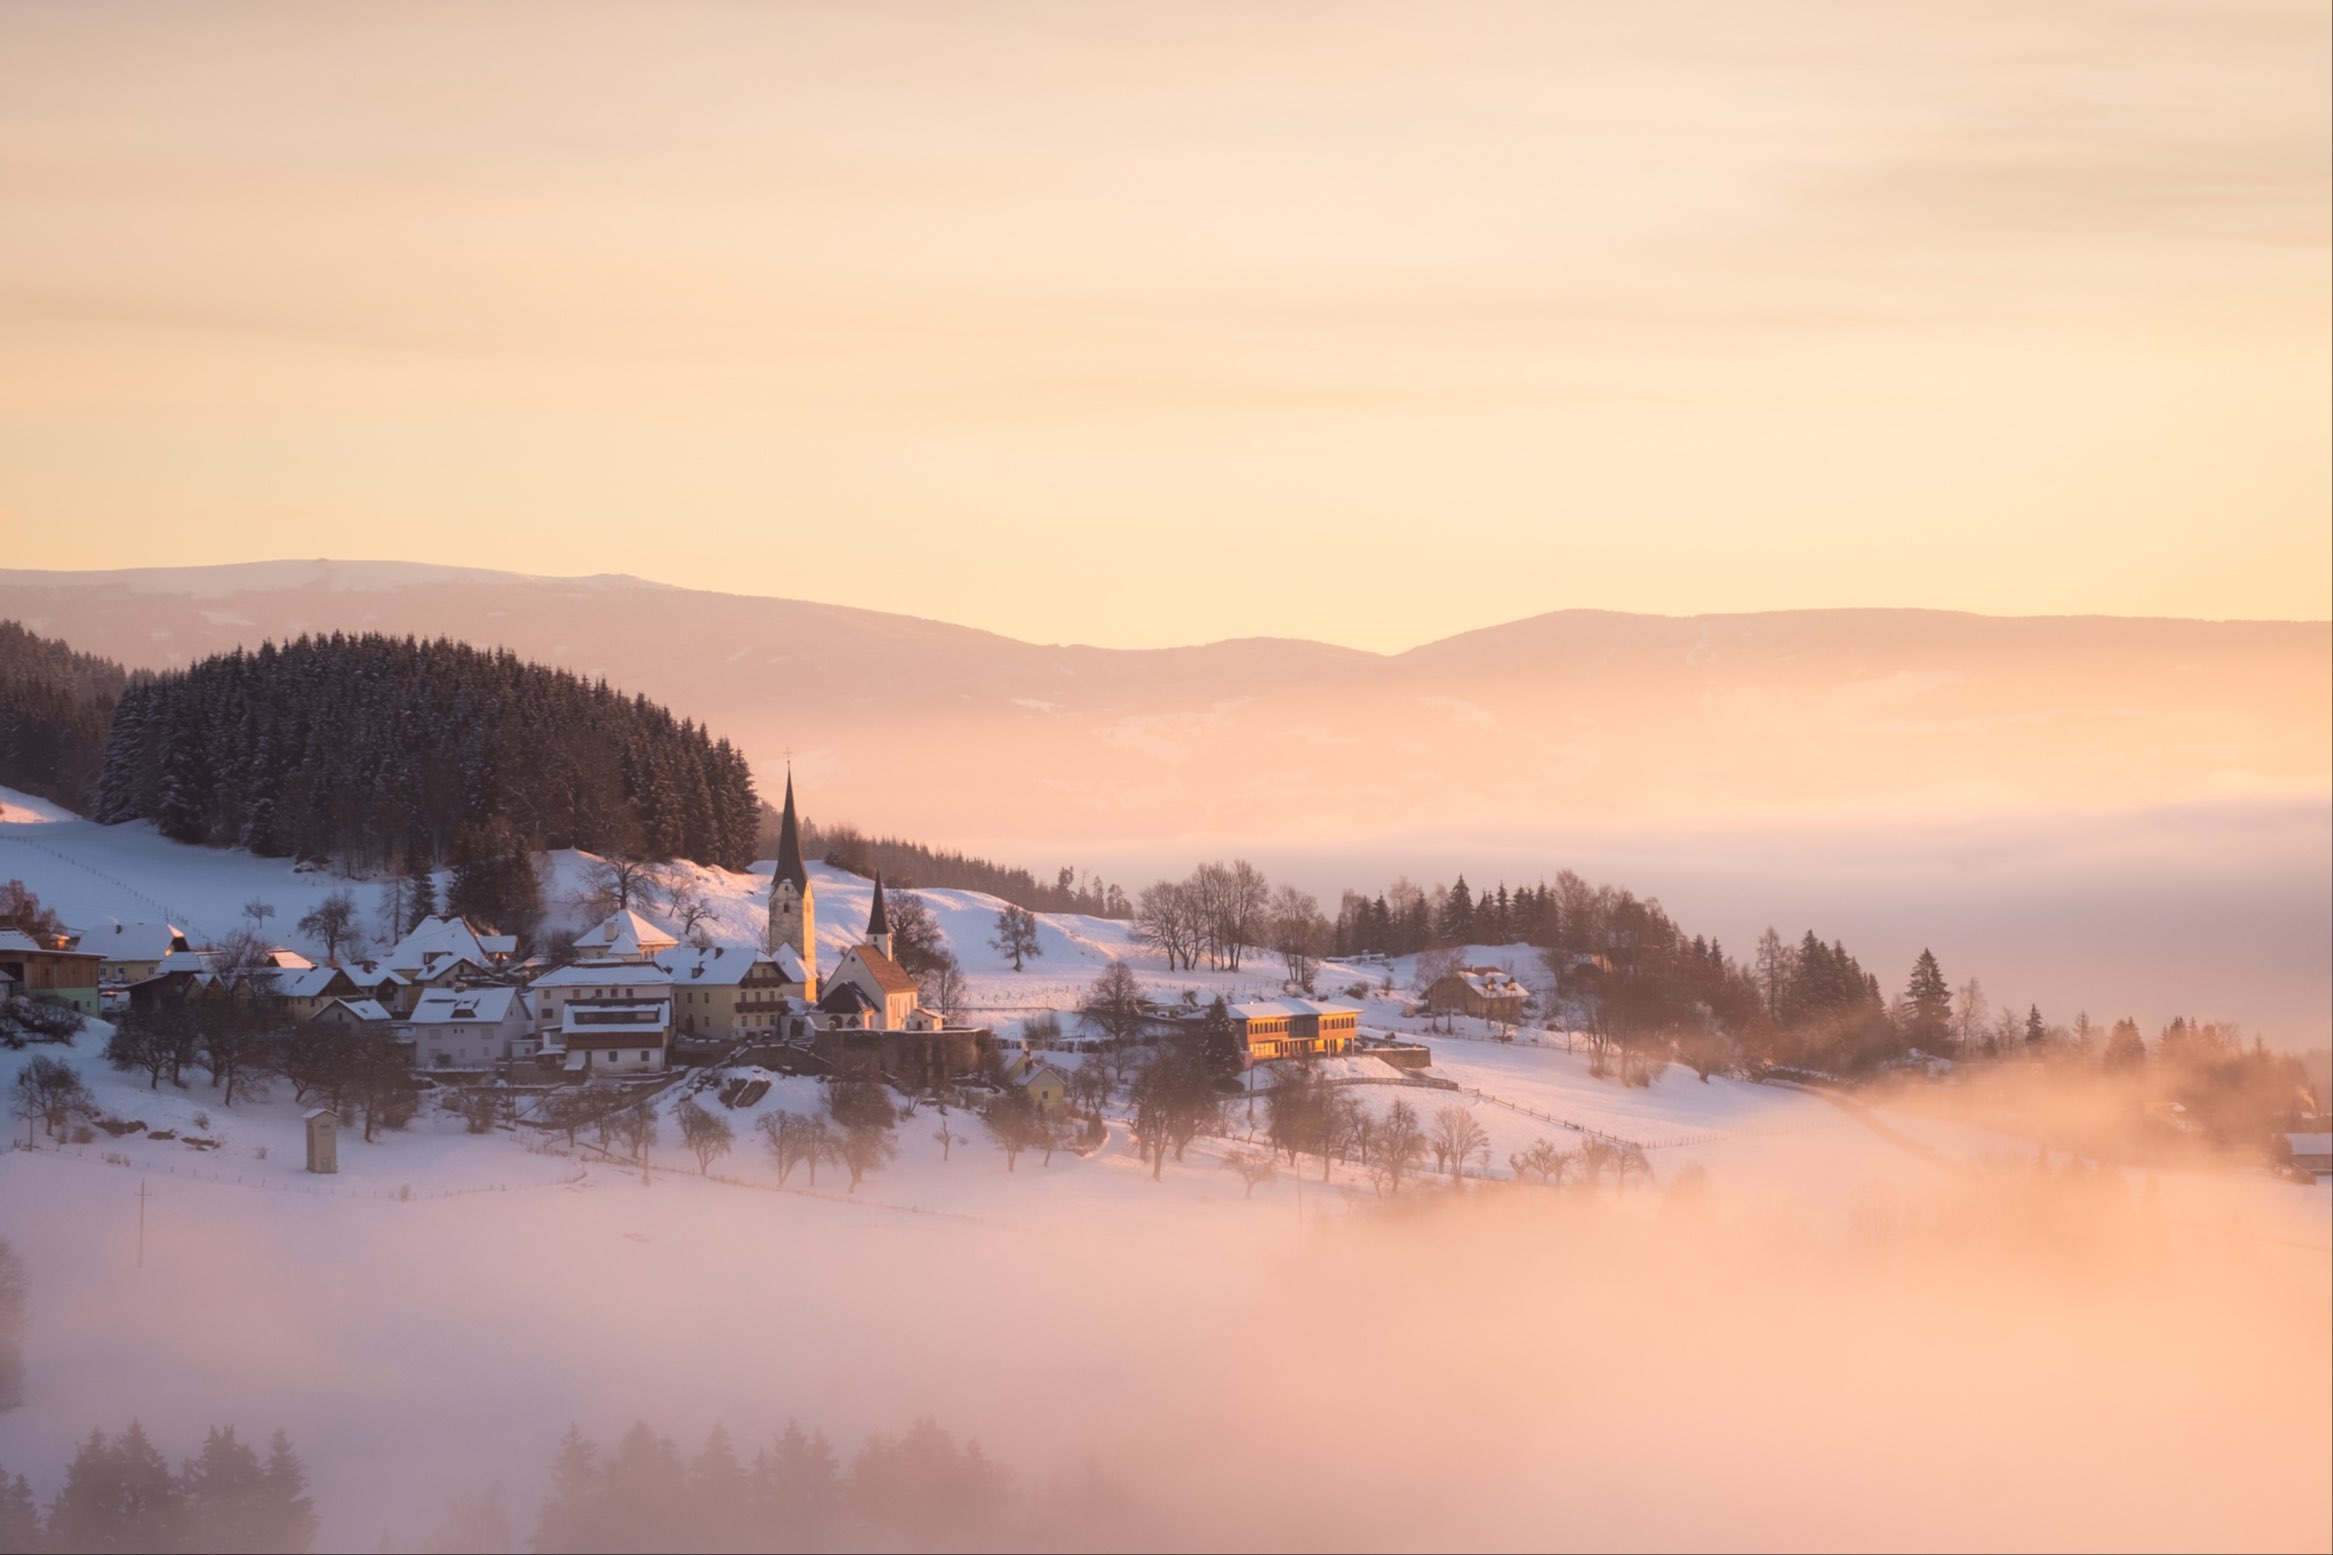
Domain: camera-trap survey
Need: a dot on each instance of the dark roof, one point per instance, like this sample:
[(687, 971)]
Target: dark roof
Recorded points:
[(841, 998), (878, 921), (790, 844)]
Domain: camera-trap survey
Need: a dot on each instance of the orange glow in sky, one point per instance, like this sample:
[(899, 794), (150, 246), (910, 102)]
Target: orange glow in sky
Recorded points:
[(1137, 324)]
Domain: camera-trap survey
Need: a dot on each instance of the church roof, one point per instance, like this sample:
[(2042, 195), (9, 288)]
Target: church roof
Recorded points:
[(885, 971), (878, 921), (790, 844)]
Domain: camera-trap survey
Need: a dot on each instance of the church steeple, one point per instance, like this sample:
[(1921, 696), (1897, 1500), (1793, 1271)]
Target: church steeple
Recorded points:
[(879, 921), (790, 842), (793, 912)]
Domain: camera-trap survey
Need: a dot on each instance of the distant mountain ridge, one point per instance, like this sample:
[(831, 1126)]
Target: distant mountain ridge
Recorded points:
[(1572, 718)]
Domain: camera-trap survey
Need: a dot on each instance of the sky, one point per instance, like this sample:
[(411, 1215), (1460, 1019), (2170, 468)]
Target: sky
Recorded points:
[(1139, 324)]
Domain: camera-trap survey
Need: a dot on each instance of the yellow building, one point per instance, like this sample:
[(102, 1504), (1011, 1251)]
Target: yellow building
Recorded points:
[(723, 992), (1293, 1028)]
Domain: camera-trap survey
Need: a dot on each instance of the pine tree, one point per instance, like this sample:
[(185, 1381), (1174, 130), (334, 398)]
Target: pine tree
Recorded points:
[(224, 1489), (20, 1520), (1928, 1006), (287, 1521), (424, 887), (1458, 915), (570, 1515)]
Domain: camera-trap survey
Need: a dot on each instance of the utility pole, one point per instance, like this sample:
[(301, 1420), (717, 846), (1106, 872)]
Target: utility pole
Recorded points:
[(141, 1222)]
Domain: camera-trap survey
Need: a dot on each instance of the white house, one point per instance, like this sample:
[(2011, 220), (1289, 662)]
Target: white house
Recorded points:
[(434, 942), (470, 1028), (607, 1016), (624, 937)]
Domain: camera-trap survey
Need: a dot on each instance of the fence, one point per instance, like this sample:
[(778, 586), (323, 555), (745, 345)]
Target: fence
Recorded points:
[(168, 913)]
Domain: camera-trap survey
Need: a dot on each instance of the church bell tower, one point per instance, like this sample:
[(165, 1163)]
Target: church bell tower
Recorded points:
[(793, 911)]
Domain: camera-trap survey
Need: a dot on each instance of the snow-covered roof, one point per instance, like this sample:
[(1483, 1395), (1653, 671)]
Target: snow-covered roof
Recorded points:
[(183, 961), (1285, 1009), (726, 965), (435, 940), (18, 940), (610, 974), (626, 934), (118, 941), (2310, 1144), (306, 982), (599, 1019), (367, 1010), (447, 1006), (373, 974), (287, 959)]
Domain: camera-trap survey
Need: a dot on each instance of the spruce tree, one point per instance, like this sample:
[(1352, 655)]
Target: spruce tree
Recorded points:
[(1928, 1006), (287, 1519)]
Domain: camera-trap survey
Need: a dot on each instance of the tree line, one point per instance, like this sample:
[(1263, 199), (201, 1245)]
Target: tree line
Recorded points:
[(56, 706), (371, 749), (905, 863), (121, 1493)]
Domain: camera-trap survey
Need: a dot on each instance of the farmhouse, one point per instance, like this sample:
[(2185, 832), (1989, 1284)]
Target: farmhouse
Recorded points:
[(132, 952), (54, 970), (1293, 1028), (1486, 991)]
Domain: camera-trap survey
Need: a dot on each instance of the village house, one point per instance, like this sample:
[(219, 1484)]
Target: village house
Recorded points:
[(52, 969), (392, 990), (604, 1016), (625, 936), (365, 1016), (434, 943), (1046, 1087), (1487, 992), (132, 952), (470, 1028), (302, 991), (724, 993), (1291, 1028)]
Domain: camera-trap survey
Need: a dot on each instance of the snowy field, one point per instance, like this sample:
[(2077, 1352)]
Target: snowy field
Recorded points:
[(430, 1319)]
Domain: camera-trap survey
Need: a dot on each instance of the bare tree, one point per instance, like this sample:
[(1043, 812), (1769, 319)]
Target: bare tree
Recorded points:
[(258, 911), (1458, 1137), (332, 924), (1544, 1160), (477, 1108), (1166, 918), (864, 1149), (687, 911), (944, 987), (1300, 933), (793, 1141), (1253, 1167), (1400, 1146), (705, 1132), (1174, 1099), (48, 1091), (1629, 1161), (635, 1126), (1113, 1005), (1016, 935), (946, 1138), (617, 884), (1012, 1122)]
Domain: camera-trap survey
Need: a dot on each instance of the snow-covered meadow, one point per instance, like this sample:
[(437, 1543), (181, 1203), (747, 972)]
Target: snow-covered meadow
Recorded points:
[(1308, 1365)]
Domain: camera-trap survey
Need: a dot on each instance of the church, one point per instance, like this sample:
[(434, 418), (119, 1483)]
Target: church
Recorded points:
[(868, 1012)]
